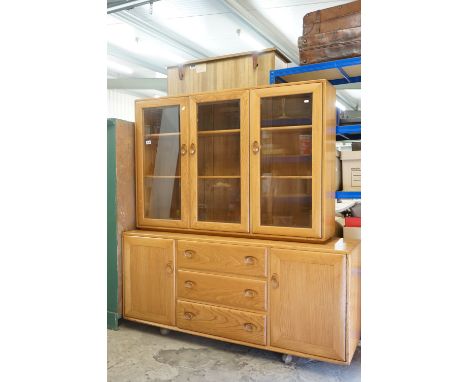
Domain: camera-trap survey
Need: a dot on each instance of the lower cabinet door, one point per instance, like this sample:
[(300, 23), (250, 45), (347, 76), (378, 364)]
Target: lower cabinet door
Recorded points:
[(308, 302), (148, 279)]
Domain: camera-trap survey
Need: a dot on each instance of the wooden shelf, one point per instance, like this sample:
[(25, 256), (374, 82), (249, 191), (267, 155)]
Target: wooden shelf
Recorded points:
[(286, 177), (163, 176), (285, 128), (215, 132), (279, 158), (161, 135), (218, 177)]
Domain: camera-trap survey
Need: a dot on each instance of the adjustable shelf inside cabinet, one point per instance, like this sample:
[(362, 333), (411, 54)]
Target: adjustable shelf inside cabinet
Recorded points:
[(338, 72)]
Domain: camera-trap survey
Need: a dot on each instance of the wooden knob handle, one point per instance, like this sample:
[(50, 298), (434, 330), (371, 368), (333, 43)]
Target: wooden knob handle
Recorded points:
[(274, 281), (188, 315), (192, 149), (189, 284), (249, 260), (255, 147), (183, 149), (189, 253), (250, 293), (169, 267), (249, 327)]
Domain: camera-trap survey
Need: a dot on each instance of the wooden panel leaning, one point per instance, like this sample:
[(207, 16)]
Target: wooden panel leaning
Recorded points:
[(240, 70)]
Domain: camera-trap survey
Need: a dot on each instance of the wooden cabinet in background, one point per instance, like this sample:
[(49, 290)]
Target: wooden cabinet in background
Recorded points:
[(148, 268)]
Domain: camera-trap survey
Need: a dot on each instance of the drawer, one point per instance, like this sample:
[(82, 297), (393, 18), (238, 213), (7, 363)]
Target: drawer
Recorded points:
[(222, 322), (222, 290), (224, 258)]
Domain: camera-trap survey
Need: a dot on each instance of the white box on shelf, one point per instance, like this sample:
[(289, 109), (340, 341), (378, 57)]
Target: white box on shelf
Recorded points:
[(351, 170), (352, 233)]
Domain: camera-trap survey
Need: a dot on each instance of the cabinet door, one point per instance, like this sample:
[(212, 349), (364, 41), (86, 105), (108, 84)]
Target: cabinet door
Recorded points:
[(148, 273), (219, 161), (308, 302), (162, 162), (286, 160)]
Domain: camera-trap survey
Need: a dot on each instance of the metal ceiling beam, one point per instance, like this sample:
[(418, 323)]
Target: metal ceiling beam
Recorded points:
[(162, 33), (132, 58), (347, 100), (159, 84), (265, 29), (124, 5)]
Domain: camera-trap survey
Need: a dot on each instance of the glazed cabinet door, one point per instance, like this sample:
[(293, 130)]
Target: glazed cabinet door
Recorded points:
[(148, 279), (162, 162), (286, 160), (308, 302), (219, 161)]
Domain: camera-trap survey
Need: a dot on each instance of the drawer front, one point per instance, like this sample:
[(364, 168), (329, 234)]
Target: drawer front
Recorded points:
[(222, 290), (224, 258), (222, 322)]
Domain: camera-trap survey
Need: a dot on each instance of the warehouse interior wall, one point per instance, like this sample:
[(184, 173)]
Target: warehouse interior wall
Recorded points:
[(121, 105)]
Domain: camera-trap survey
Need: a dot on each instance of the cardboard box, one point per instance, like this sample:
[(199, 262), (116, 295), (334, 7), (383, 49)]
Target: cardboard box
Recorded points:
[(352, 233), (351, 169)]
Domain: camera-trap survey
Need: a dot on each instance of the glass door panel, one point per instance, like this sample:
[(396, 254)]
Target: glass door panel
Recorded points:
[(162, 166), (221, 191), (286, 160)]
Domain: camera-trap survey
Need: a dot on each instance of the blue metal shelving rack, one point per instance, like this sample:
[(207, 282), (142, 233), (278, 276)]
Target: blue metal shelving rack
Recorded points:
[(338, 72)]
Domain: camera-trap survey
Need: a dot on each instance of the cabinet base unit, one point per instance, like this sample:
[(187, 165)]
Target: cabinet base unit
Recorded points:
[(294, 298)]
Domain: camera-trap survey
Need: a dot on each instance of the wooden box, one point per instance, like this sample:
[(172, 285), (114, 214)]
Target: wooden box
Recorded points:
[(331, 34), (242, 70)]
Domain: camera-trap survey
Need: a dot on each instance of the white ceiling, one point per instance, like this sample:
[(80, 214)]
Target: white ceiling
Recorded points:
[(207, 26)]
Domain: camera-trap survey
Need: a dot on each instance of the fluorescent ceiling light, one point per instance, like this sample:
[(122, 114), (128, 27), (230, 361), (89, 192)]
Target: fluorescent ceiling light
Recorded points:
[(253, 43), (340, 106), (119, 67)]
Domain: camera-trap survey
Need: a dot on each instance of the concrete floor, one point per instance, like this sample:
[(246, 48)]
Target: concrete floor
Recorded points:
[(138, 352)]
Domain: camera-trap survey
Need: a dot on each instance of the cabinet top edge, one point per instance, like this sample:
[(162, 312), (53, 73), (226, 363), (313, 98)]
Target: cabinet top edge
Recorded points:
[(233, 90), (334, 245)]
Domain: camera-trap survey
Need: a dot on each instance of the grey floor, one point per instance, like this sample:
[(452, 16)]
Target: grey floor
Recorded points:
[(140, 353)]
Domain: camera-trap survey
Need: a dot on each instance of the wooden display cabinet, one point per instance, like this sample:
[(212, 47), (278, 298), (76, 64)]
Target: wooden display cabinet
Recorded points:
[(248, 163), (240, 185)]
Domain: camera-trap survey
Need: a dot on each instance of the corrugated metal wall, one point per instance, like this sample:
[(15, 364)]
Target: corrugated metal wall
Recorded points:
[(121, 105)]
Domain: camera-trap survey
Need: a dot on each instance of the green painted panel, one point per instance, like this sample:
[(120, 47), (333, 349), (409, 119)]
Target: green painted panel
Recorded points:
[(112, 272)]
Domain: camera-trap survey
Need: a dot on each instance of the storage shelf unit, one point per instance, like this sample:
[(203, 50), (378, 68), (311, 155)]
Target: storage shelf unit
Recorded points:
[(338, 72)]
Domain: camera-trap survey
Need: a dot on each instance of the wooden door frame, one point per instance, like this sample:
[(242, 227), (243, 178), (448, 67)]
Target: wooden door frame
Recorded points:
[(183, 103), (243, 97), (255, 135)]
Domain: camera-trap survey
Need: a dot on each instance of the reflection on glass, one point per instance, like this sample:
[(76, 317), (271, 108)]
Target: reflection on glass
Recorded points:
[(161, 163), (222, 115), (286, 202), (219, 200), (161, 120), (287, 110), (286, 152), (219, 155), (162, 198)]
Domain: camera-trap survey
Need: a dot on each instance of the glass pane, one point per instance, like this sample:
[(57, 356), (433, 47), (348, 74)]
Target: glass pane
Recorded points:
[(286, 152), (161, 163), (162, 156), (161, 120), (219, 154), (219, 200), (219, 161), (286, 202), (162, 198), (223, 115), (287, 110)]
